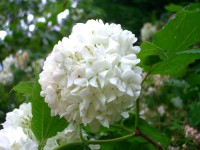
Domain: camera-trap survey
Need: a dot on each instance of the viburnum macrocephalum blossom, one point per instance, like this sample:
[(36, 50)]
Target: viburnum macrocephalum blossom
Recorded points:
[(92, 75), (15, 139), (20, 118)]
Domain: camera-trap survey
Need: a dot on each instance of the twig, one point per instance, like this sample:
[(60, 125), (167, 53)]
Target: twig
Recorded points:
[(138, 132)]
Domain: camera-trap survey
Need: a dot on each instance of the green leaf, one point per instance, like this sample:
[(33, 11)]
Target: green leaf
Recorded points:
[(173, 42), (173, 7), (192, 6), (24, 88), (175, 65), (43, 124), (149, 130), (154, 133), (194, 79), (181, 32), (193, 114), (151, 54), (191, 51)]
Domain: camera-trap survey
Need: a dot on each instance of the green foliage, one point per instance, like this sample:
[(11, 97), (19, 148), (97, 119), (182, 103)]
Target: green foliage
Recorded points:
[(151, 54), (172, 44), (132, 14), (148, 130), (171, 67), (24, 88), (154, 133), (194, 79), (173, 8), (180, 33), (194, 111), (44, 126), (174, 51)]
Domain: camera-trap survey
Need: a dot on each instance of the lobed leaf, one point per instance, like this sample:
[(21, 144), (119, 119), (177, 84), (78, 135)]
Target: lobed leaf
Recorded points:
[(181, 32), (170, 53)]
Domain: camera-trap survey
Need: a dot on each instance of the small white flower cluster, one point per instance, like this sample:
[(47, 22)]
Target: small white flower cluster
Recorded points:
[(92, 76), (19, 62), (17, 133), (10, 63), (191, 132), (148, 31), (6, 75), (70, 135)]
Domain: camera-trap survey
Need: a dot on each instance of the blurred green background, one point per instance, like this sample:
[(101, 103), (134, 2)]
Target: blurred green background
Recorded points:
[(32, 27)]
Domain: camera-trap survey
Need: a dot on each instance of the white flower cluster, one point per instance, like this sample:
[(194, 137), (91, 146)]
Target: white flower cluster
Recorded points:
[(16, 139), (92, 75), (18, 135), (10, 63), (6, 75), (16, 132), (19, 62), (192, 133), (70, 135), (148, 31)]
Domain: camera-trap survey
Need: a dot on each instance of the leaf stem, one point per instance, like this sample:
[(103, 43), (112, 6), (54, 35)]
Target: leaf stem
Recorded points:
[(62, 147), (137, 114), (148, 73), (81, 136), (112, 140)]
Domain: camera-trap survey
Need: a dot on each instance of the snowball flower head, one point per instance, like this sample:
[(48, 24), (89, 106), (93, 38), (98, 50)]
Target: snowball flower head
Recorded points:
[(92, 76), (20, 118), (14, 139)]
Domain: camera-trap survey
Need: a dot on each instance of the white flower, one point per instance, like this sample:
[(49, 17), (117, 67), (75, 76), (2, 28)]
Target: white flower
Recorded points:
[(69, 135), (20, 118), (15, 139), (22, 59), (161, 110), (92, 75), (6, 77), (94, 147), (147, 31), (38, 63), (8, 62)]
